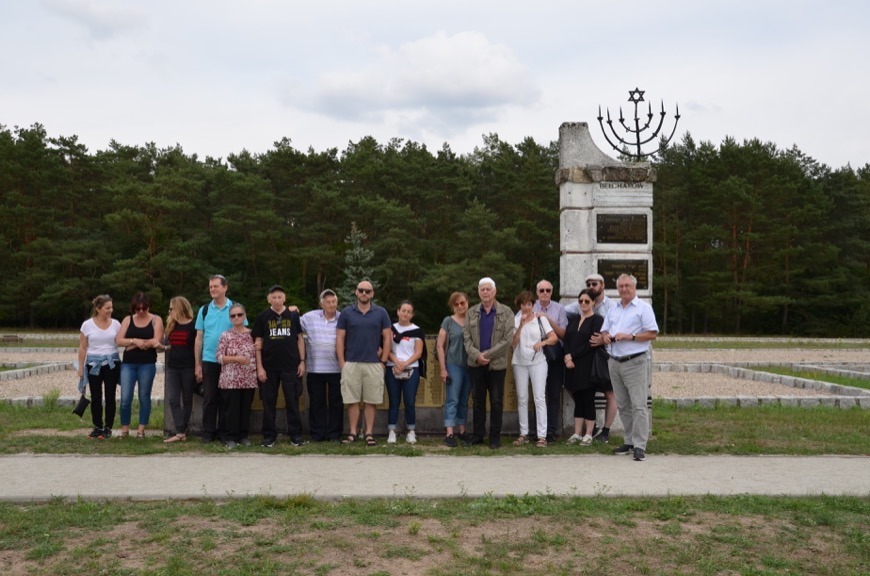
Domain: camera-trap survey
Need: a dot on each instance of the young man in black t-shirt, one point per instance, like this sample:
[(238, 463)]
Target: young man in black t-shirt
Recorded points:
[(280, 363)]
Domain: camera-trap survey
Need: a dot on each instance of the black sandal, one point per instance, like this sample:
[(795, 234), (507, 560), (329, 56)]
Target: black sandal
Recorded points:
[(370, 440), (351, 438)]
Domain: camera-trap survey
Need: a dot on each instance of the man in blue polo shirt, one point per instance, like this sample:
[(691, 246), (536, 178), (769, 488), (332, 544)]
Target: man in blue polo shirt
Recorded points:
[(362, 344), (212, 320)]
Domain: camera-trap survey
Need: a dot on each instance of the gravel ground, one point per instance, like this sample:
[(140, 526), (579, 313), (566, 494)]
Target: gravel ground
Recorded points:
[(665, 384)]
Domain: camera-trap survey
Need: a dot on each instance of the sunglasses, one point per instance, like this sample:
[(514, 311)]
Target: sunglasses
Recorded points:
[(593, 283), (141, 308), (364, 290), (545, 290), (237, 315), (585, 301)]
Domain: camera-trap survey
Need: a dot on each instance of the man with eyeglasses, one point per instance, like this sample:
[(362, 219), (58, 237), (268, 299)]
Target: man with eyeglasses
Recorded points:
[(212, 320), (488, 331), (601, 305), (629, 328), (555, 313), (362, 344)]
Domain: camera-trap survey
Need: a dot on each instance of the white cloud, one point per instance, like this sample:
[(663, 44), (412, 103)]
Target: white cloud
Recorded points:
[(439, 80), (101, 19)]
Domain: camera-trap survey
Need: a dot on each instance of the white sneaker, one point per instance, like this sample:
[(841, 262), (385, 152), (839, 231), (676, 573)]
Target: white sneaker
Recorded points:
[(586, 441), (575, 438), (391, 438), (411, 438)]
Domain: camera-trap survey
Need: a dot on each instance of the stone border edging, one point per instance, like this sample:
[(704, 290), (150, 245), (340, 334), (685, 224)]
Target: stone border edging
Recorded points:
[(737, 370), (25, 372)]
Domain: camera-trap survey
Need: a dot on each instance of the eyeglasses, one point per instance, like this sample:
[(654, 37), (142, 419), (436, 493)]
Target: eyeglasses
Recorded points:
[(364, 290), (592, 283), (545, 290), (461, 303), (585, 301), (237, 315)]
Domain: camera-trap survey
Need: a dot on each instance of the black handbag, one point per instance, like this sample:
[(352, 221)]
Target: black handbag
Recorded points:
[(554, 352), (81, 406), (600, 375)]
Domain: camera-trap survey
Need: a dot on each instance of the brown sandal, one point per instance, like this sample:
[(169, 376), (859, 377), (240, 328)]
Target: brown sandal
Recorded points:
[(521, 440), (176, 438), (541, 443), (351, 438)]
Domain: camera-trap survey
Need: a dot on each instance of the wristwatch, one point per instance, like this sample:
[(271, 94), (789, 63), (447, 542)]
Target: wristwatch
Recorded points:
[(633, 336)]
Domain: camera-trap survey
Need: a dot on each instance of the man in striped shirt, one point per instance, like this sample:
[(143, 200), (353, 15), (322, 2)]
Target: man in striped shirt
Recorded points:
[(325, 407)]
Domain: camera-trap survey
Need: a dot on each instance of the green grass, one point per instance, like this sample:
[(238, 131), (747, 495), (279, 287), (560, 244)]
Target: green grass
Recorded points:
[(818, 375), (695, 430), (536, 535)]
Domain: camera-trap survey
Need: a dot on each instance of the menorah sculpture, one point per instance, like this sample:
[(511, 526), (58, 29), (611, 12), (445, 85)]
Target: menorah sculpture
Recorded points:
[(636, 96)]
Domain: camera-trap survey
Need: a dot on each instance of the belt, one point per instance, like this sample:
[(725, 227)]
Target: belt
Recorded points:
[(627, 358)]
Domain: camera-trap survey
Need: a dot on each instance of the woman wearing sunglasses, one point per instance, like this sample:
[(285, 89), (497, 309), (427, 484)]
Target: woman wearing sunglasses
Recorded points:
[(578, 364), (238, 379), (141, 335)]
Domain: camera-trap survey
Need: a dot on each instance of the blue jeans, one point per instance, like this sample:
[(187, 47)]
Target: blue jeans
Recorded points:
[(456, 403), (399, 390), (130, 374)]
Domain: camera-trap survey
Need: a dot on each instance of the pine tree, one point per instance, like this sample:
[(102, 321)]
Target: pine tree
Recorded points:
[(357, 267)]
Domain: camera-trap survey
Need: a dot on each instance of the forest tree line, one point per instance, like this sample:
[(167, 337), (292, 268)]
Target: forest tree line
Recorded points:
[(748, 238)]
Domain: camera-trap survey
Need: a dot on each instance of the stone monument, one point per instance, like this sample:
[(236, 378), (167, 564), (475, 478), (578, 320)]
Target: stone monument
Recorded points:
[(605, 215)]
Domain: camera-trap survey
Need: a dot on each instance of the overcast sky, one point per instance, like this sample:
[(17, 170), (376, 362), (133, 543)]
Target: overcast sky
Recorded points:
[(219, 76)]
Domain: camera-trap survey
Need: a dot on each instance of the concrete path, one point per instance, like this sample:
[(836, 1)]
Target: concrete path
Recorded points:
[(42, 477)]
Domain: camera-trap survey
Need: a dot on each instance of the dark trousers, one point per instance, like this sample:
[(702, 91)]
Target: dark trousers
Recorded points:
[(106, 380), (179, 396), (325, 407), (236, 404), (555, 381), (485, 381), (212, 423), (584, 403), (292, 387)]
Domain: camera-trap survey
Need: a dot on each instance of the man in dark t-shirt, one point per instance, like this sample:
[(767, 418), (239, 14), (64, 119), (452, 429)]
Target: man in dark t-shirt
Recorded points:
[(280, 349)]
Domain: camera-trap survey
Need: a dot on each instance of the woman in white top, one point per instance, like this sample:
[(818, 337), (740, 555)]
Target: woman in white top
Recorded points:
[(98, 354), (530, 336), (403, 372)]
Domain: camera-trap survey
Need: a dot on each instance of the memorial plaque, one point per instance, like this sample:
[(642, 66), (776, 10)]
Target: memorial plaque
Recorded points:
[(612, 269), (621, 229)]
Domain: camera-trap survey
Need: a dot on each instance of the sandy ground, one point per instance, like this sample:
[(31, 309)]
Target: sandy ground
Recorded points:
[(665, 384)]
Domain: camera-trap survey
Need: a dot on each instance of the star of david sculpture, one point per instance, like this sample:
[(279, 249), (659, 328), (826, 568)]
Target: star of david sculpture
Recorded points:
[(624, 144)]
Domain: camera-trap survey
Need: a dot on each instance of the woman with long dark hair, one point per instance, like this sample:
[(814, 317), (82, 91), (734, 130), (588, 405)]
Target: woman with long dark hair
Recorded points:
[(578, 363)]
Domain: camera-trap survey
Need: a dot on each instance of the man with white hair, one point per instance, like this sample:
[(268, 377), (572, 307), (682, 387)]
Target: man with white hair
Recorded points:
[(629, 328), (487, 334)]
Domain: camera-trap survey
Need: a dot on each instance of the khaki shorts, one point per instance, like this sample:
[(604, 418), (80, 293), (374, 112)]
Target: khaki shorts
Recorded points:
[(362, 381)]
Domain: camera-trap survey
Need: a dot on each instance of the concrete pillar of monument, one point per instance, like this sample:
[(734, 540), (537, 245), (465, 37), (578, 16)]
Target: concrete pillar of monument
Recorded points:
[(605, 210)]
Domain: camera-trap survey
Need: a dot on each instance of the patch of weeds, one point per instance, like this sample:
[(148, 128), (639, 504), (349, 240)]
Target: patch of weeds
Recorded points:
[(671, 529), (49, 400), (407, 552), (414, 528)]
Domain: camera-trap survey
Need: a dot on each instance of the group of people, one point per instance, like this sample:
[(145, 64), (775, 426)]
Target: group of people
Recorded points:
[(354, 354)]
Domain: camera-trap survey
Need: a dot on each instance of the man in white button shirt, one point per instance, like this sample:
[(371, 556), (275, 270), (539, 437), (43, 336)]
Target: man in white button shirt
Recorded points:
[(629, 328)]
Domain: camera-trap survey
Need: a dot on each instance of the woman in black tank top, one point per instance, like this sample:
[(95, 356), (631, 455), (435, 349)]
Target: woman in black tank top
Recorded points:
[(141, 335)]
